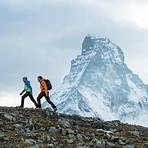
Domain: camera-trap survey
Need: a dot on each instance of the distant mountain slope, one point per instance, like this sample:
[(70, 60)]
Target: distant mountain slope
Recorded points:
[(100, 84)]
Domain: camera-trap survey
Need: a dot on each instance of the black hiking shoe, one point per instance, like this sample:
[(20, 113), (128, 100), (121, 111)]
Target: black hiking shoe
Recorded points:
[(19, 106), (55, 109)]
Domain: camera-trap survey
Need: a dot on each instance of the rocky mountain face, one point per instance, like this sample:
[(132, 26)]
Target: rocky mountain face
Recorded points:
[(36, 128), (100, 84)]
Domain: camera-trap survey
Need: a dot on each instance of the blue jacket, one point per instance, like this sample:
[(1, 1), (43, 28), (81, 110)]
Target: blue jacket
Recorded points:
[(27, 86)]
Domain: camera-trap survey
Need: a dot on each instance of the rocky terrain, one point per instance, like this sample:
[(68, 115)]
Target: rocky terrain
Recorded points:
[(38, 128)]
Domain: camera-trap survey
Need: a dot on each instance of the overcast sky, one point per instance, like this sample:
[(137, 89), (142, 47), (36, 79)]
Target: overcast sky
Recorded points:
[(41, 37)]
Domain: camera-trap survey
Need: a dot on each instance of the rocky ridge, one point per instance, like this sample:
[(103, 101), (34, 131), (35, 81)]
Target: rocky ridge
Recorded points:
[(38, 128)]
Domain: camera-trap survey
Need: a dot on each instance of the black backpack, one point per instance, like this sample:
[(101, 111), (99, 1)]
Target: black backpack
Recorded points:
[(48, 84)]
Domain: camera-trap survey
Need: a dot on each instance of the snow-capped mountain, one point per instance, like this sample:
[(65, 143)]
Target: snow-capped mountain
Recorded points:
[(100, 84)]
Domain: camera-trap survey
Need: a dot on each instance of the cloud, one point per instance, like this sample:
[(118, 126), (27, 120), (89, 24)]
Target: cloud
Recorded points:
[(7, 99), (12, 100), (125, 12), (42, 36)]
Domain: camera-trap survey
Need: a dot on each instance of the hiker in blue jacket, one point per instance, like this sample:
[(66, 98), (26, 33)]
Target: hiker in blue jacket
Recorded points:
[(27, 92)]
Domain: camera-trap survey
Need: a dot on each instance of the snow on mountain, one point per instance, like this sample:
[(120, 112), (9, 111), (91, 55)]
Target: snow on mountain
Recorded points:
[(101, 85)]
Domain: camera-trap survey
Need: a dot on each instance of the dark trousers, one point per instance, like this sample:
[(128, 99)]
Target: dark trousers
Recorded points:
[(28, 94), (42, 94)]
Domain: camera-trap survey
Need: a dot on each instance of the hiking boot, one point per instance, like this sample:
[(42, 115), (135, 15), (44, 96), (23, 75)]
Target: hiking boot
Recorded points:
[(37, 108), (19, 106), (55, 109)]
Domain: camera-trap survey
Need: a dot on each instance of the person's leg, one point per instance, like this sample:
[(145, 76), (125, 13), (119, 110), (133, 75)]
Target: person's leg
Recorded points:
[(39, 99), (23, 98), (33, 100), (50, 102)]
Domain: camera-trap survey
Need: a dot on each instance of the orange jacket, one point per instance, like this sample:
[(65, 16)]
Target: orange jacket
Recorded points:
[(43, 87)]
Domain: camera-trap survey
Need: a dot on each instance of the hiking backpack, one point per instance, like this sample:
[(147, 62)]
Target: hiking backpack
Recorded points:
[(48, 84)]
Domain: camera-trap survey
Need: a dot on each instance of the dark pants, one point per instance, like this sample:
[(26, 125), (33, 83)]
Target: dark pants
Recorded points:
[(42, 94), (27, 94)]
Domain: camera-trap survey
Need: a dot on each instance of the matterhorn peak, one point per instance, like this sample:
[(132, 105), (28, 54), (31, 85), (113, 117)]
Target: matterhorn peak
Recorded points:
[(100, 84), (103, 47)]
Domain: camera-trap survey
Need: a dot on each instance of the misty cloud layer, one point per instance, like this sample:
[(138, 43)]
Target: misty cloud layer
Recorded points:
[(40, 37)]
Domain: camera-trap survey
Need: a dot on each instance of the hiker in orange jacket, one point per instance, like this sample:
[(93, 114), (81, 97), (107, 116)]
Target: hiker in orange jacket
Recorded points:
[(44, 93)]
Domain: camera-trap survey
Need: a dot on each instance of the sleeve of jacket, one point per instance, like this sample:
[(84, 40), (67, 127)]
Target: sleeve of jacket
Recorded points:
[(22, 92), (29, 86), (43, 83)]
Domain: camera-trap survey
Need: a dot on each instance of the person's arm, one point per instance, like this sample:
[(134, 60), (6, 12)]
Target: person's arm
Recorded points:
[(22, 92), (43, 83)]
